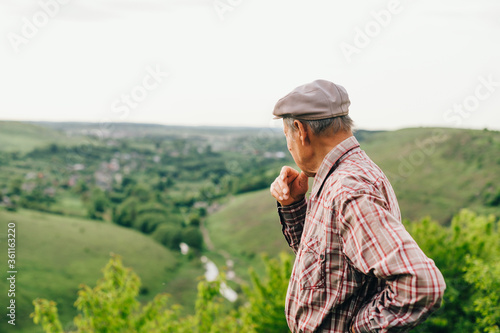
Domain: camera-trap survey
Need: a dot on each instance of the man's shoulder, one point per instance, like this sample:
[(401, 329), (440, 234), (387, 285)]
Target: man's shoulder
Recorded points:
[(357, 173)]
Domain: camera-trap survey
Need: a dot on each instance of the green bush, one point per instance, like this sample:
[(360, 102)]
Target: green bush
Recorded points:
[(169, 235), (126, 213), (192, 236), (470, 242), (148, 222)]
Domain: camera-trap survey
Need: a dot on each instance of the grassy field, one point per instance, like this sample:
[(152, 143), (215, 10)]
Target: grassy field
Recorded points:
[(70, 205), (55, 254), (252, 223), (23, 137)]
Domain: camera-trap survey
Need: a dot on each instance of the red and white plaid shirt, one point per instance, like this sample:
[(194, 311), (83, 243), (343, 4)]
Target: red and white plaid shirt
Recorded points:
[(356, 266)]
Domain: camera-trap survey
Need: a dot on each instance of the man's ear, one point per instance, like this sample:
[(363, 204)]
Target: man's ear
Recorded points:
[(304, 132)]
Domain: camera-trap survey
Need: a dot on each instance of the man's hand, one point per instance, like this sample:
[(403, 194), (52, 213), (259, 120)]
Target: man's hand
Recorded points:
[(290, 186)]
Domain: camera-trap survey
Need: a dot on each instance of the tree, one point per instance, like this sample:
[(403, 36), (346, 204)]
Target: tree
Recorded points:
[(15, 186), (192, 236), (148, 222), (169, 235), (141, 191), (112, 306), (98, 202), (485, 277), (265, 311), (81, 187), (126, 212)]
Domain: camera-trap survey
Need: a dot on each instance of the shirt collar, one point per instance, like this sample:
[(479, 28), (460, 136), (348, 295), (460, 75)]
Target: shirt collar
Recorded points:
[(328, 164)]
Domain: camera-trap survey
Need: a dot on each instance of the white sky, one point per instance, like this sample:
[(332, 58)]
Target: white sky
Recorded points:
[(231, 71)]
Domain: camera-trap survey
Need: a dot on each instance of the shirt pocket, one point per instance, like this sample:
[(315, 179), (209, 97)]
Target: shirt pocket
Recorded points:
[(312, 264)]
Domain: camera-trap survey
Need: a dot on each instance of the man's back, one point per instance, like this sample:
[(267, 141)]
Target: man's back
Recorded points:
[(349, 246)]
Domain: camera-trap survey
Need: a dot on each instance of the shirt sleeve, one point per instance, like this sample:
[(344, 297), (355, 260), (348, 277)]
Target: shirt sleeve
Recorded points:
[(292, 219), (377, 244)]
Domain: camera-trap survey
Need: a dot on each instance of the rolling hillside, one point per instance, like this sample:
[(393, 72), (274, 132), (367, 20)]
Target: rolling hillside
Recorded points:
[(55, 254), (435, 172)]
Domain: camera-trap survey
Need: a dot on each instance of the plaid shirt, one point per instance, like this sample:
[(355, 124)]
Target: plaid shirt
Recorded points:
[(356, 266)]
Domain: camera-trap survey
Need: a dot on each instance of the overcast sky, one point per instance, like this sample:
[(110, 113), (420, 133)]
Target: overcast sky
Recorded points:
[(226, 62)]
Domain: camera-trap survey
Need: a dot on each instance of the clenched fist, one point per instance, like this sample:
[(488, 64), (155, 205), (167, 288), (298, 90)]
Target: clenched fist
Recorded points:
[(290, 186)]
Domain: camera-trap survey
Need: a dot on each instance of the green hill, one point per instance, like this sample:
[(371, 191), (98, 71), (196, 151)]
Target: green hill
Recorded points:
[(436, 172), (23, 137), (55, 254)]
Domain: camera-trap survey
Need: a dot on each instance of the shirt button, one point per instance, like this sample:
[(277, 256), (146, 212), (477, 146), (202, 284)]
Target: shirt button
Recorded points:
[(322, 256)]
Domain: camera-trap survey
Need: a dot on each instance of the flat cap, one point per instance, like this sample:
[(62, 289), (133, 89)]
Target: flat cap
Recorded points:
[(319, 99)]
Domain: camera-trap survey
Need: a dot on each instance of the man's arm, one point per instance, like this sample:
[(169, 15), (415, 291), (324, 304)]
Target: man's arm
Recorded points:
[(377, 244), (289, 189), (292, 219)]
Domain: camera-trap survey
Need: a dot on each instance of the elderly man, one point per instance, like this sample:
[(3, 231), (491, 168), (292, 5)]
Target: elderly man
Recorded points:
[(356, 269)]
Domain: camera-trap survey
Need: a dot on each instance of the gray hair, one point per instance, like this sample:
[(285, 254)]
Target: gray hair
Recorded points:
[(324, 126)]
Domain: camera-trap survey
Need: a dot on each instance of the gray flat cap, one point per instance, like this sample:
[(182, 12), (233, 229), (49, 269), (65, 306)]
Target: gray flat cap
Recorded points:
[(319, 99)]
